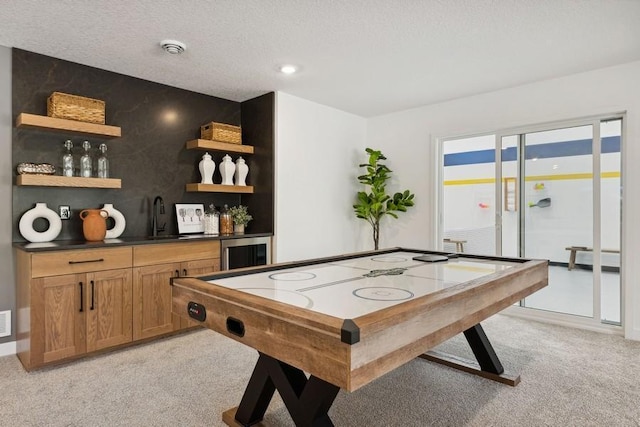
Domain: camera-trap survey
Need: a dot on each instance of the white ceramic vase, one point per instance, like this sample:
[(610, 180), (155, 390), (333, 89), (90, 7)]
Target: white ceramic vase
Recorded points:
[(118, 218), (227, 169), (40, 211), (207, 166), (241, 172)]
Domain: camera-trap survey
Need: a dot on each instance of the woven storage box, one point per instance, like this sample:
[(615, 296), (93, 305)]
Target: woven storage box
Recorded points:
[(73, 107), (221, 132)]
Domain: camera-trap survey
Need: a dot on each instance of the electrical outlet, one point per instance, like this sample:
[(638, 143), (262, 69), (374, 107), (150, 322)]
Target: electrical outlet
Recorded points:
[(65, 212)]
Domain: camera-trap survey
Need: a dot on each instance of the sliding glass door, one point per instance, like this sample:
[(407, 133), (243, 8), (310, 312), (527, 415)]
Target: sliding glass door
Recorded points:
[(611, 221), (557, 213), (550, 192), (468, 196)]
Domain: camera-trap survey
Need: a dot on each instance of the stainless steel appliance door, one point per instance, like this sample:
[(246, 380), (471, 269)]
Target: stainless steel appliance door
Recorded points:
[(245, 252)]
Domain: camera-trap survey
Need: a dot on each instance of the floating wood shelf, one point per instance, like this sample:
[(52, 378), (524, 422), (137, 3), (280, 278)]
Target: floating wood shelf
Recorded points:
[(205, 144), (217, 188), (67, 181), (34, 121)]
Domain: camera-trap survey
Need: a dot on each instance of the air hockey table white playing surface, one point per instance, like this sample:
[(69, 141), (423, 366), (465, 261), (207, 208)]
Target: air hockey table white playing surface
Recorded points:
[(354, 287)]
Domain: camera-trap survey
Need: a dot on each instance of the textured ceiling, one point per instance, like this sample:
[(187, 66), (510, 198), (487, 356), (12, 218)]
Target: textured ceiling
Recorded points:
[(367, 57)]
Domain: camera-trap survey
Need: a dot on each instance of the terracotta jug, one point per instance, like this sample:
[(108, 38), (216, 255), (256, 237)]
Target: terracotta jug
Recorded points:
[(94, 224)]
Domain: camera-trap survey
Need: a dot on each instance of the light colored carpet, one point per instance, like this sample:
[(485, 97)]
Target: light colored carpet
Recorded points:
[(569, 378)]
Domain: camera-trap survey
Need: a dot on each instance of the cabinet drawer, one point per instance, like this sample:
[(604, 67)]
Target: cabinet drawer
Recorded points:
[(175, 252), (79, 261)]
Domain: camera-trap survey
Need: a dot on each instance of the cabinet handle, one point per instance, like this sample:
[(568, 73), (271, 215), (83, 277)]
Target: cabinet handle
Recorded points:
[(177, 273), (81, 298), (184, 272), (89, 260), (93, 291)]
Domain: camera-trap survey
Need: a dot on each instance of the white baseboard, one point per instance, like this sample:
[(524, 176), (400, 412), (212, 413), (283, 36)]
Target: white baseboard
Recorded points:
[(7, 348), (562, 320), (632, 334)]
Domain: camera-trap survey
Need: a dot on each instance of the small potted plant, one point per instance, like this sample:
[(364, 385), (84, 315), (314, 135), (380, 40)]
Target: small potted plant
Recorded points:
[(240, 218)]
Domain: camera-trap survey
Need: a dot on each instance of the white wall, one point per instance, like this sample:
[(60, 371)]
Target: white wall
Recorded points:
[(409, 138), (7, 286), (318, 149)]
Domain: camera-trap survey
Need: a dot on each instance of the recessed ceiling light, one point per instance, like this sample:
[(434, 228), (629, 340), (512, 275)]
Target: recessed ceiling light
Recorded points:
[(173, 46), (288, 69)]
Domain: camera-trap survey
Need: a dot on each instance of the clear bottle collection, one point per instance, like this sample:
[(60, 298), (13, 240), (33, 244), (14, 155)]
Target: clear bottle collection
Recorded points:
[(88, 165)]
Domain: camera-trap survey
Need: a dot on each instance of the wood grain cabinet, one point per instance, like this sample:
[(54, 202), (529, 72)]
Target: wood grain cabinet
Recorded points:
[(75, 302), (154, 266), (67, 315)]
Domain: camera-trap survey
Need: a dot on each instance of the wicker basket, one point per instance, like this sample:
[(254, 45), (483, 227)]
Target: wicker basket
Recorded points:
[(221, 132), (73, 107)]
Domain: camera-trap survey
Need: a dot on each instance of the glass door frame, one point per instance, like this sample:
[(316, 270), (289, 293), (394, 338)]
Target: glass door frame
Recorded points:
[(595, 322)]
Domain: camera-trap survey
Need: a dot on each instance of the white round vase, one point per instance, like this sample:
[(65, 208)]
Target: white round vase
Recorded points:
[(207, 166), (118, 218), (241, 172), (40, 211), (227, 169)]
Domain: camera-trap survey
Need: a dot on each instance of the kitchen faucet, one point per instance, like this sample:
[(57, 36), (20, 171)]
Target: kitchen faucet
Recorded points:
[(157, 203)]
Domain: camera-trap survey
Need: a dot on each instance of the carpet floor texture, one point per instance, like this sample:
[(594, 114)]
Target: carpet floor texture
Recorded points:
[(569, 377)]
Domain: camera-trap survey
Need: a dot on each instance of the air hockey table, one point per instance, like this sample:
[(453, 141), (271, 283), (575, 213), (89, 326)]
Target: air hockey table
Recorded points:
[(336, 323)]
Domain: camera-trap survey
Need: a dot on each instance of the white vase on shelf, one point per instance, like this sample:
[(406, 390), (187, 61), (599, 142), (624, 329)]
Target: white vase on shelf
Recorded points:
[(40, 211), (207, 166), (227, 169), (118, 219), (242, 170)]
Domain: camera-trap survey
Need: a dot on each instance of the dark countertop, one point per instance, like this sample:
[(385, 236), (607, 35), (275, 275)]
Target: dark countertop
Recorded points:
[(58, 245)]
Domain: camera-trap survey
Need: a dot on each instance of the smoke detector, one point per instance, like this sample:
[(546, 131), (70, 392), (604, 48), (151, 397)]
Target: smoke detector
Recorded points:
[(174, 47)]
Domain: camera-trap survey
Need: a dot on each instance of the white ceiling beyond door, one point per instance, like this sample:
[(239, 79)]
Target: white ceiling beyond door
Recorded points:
[(367, 57)]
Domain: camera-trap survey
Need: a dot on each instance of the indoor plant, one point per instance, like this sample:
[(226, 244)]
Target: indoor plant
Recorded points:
[(240, 217), (373, 204)]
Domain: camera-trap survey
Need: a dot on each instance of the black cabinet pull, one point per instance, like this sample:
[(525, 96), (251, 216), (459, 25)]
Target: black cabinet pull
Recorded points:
[(177, 273), (89, 260), (184, 272), (93, 291), (81, 298)]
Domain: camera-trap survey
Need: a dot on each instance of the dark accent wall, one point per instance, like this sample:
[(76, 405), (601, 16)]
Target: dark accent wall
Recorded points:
[(258, 118), (150, 158)]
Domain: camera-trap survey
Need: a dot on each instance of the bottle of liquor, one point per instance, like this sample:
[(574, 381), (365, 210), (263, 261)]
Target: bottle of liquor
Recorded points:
[(86, 169), (67, 159), (103, 162)]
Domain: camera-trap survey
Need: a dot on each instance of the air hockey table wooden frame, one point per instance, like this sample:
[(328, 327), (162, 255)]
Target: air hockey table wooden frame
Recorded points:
[(309, 356)]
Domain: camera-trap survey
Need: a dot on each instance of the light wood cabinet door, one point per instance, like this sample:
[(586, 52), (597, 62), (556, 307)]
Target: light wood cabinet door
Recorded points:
[(199, 267), (58, 308), (109, 316), (152, 300)]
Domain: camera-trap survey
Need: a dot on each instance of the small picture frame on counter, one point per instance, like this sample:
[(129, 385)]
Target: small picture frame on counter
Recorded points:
[(190, 218)]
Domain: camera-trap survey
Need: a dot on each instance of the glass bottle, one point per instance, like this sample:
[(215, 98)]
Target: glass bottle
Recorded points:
[(67, 159), (226, 223), (211, 221), (86, 169), (103, 162)]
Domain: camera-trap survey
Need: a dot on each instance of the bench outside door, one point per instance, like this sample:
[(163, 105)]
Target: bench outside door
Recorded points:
[(575, 249)]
